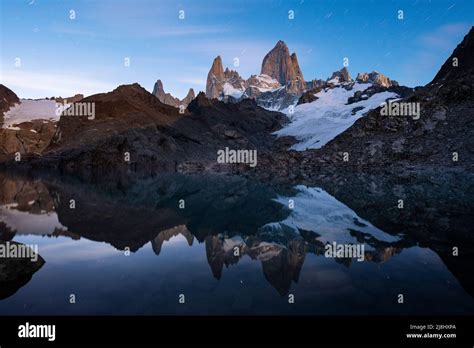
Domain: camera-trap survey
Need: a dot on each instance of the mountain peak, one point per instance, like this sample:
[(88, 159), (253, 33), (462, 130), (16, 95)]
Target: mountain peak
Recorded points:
[(191, 93), (284, 68), (217, 65), (189, 97), (158, 88), (281, 43), (167, 98), (215, 78), (340, 76)]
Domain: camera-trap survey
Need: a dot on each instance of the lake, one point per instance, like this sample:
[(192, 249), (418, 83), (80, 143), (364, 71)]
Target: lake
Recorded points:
[(216, 244)]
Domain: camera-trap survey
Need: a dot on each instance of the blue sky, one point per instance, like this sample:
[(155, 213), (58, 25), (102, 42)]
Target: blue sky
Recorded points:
[(63, 56)]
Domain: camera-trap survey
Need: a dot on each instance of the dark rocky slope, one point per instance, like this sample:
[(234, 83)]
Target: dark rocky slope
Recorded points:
[(7, 99)]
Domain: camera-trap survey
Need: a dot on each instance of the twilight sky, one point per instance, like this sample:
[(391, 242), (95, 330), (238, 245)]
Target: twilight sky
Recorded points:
[(64, 56)]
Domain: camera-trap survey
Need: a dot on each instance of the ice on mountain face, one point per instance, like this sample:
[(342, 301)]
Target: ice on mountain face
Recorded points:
[(264, 83), (29, 110), (230, 90), (315, 124), (277, 99), (334, 81), (316, 210)]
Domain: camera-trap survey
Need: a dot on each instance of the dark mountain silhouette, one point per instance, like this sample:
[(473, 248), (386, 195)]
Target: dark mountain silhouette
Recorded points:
[(155, 135)]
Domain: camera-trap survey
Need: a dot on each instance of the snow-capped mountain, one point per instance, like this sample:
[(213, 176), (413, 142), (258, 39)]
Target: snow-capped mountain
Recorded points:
[(281, 84), (222, 83), (280, 77), (258, 84), (228, 85)]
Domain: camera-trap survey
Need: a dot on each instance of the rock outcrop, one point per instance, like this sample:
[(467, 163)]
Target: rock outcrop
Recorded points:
[(376, 78), (309, 96), (16, 272), (340, 76), (68, 100), (215, 78), (316, 83), (27, 138), (189, 97)]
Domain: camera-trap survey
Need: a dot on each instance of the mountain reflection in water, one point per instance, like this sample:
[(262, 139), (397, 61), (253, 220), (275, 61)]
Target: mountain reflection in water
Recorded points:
[(241, 230)]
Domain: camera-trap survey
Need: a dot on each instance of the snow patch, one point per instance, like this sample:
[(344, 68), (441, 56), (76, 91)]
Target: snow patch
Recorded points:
[(228, 89), (315, 124), (28, 110)]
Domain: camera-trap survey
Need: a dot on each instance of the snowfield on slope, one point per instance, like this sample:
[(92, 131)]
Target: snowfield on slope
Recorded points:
[(228, 89), (315, 124), (29, 110)]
